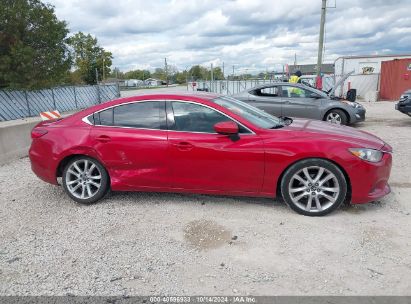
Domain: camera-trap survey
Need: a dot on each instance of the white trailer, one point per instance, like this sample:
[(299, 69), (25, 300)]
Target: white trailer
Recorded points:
[(365, 78)]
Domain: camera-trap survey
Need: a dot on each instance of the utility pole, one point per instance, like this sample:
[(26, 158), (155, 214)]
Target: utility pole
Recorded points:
[(211, 78), (321, 40), (223, 69), (233, 72), (166, 70)]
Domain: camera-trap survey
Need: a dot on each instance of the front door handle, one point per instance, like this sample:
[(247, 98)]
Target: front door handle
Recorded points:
[(103, 138), (183, 146)]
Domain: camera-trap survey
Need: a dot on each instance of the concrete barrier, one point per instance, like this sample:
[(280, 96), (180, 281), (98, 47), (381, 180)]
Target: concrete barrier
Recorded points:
[(15, 139)]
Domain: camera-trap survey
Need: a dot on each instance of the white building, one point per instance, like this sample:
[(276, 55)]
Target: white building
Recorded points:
[(153, 82), (366, 76), (133, 83)]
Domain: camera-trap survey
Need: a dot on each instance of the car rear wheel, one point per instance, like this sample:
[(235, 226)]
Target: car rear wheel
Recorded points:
[(85, 180), (314, 187), (336, 116)]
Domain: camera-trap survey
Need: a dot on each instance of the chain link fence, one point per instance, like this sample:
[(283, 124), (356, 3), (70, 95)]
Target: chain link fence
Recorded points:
[(21, 104)]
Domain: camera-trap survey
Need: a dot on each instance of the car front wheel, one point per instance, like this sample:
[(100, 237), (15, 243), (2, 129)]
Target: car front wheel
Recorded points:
[(314, 187), (337, 117), (85, 180)]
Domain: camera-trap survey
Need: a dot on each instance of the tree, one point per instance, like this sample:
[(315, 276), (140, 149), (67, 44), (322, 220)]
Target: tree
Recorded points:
[(89, 56), (137, 74), (218, 73), (116, 73), (199, 72), (181, 77), (33, 50)]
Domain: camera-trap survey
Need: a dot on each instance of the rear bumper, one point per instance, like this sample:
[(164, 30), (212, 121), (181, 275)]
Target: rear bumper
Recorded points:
[(369, 181), (42, 166)]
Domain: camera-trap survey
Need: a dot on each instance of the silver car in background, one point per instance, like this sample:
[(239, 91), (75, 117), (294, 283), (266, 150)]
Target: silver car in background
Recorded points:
[(297, 100)]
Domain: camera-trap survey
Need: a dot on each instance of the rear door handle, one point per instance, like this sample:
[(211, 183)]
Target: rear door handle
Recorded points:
[(184, 146), (103, 138)]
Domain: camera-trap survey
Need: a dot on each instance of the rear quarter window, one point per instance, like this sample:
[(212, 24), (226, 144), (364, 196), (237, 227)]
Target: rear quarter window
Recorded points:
[(104, 118)]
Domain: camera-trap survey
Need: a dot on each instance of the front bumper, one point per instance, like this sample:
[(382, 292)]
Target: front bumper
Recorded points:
[(404, 106), (358, 115), (369, 181)]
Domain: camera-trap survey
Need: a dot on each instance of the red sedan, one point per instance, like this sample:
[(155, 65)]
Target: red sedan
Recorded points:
[(209, 144)]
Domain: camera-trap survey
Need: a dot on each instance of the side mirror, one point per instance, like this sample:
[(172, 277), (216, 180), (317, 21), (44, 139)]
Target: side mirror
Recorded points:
[(226, 128), (315, 96)]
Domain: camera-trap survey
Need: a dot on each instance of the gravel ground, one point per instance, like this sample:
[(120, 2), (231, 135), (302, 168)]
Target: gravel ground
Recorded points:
[(147, 243)]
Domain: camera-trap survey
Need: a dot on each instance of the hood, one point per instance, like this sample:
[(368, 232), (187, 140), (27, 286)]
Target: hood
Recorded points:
[(339, 82), (326, 130)]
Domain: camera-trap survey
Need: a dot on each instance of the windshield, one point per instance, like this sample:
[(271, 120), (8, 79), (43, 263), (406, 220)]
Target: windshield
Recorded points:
[(309, 83), (250, 113), (319, 92)]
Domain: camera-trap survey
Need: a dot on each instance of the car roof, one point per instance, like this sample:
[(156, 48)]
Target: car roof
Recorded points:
[(195, 96), (179, 95), (200, 97)]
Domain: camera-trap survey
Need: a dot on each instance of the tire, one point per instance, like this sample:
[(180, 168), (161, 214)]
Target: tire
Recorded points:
[(82, 187), (326, 187), (336, 116)]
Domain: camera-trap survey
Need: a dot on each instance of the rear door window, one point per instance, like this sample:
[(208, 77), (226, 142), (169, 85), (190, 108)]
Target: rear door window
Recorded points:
[(266, 92), (142, 115), (104, 118)]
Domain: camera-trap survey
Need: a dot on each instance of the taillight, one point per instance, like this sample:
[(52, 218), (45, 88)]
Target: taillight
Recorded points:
[(36, 133)]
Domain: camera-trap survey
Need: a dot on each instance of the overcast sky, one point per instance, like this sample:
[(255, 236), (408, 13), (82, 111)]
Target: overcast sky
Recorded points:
[(253, 35)]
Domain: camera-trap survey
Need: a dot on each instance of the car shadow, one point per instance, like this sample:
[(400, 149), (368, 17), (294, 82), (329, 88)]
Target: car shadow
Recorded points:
[(159, 198), (202, 199)]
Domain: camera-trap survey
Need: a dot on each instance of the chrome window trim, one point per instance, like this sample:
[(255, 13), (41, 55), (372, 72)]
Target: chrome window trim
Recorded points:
[(85, 118)]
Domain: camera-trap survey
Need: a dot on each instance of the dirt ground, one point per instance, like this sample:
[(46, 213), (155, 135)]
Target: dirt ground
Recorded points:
[(149, 243)]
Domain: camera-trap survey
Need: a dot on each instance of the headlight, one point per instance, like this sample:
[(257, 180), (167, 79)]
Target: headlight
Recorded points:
[(370, 155), (355, 104)]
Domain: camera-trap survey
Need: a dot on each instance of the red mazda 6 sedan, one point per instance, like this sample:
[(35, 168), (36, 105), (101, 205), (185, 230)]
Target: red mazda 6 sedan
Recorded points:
[(209, 144)]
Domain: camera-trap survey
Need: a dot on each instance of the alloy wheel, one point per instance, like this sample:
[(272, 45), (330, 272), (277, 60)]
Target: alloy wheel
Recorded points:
[(83, 179), (334, 118), (314, 189)]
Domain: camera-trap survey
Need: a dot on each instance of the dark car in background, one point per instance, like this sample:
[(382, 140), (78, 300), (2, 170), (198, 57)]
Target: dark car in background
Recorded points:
[(298, 100), (404, 104)]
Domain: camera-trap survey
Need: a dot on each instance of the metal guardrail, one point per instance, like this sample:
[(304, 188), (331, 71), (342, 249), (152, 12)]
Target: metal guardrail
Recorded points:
[(21, 104)]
